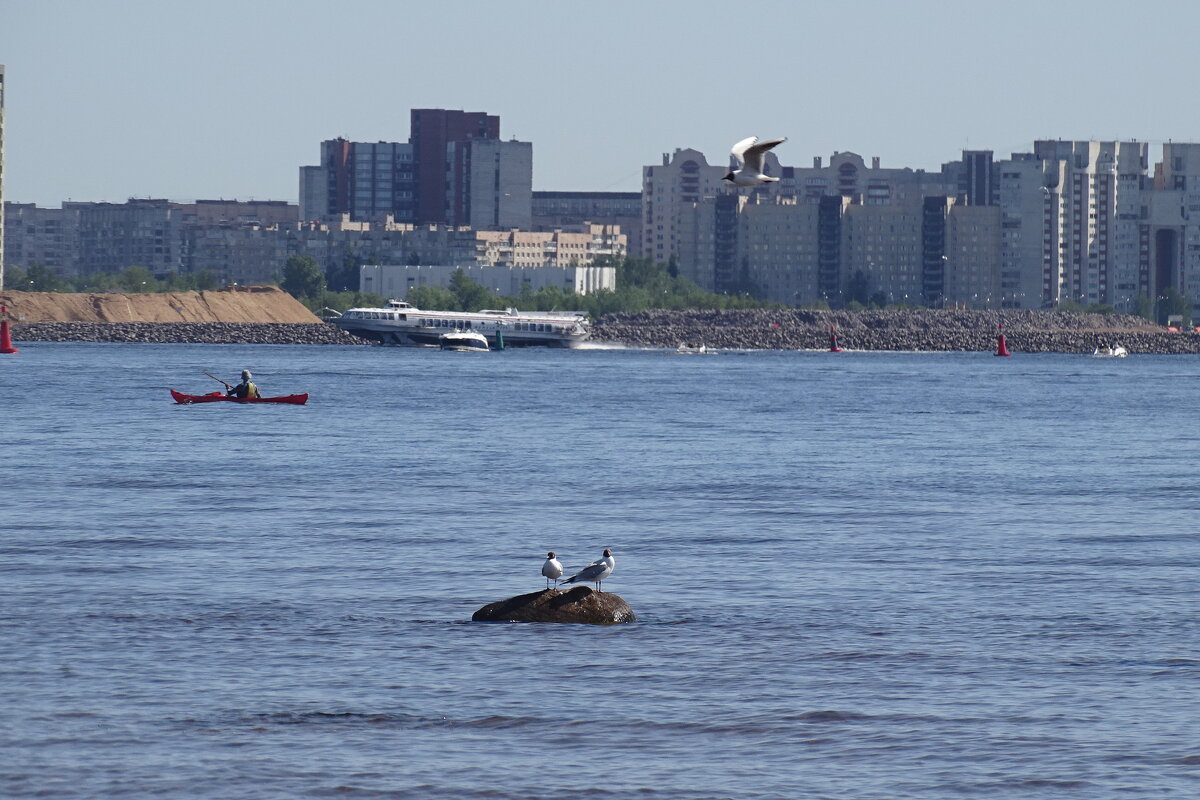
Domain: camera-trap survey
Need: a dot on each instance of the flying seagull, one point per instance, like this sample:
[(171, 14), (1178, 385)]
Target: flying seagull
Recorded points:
[(595, 572), (749, 155), (552, 569)]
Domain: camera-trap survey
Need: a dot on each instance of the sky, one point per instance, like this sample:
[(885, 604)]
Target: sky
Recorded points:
[(225, 99)]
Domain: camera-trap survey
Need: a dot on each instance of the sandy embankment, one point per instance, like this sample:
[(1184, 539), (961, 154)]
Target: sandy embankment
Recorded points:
[(242, 304)]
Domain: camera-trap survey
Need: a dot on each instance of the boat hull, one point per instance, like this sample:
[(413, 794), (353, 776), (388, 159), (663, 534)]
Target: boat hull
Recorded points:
[(217, 397)]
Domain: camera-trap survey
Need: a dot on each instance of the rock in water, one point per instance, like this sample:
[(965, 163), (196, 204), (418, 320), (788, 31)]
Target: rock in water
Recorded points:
[(581, 605)]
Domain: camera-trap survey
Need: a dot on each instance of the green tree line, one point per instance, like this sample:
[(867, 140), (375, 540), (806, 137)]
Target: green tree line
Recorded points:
[(641, 285)]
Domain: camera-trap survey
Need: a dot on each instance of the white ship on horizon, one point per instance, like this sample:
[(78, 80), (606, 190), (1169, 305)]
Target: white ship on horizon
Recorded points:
[(401, 323)]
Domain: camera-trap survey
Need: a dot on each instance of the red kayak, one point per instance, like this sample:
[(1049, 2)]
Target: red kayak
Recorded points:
[(217, 397)]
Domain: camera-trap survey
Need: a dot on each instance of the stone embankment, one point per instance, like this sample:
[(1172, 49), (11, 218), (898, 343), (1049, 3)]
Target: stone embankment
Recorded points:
[(184, 333), (919, 330)]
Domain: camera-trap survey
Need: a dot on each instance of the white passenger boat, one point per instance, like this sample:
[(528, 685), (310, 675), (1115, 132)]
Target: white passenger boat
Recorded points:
[(1110, 351), (404, 324), (464, 340)]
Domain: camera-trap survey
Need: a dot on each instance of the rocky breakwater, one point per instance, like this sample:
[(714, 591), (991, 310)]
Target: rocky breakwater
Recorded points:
[(184, 333), (580, 605), (894, 329)]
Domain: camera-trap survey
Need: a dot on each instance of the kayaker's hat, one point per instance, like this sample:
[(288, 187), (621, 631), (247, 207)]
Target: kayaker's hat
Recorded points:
[(245, 374)]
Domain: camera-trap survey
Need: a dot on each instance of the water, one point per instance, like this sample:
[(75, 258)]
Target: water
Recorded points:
[(872, 575)]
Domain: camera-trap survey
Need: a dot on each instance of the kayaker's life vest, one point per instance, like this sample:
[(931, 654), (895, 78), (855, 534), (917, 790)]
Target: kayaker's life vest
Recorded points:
[(245, 389)]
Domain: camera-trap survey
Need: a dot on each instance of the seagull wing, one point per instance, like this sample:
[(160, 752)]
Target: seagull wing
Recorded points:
[(754, 153), (588, 573), (739, 150)]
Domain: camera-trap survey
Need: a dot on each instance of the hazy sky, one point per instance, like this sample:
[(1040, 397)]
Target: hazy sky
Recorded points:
[(111, 99)]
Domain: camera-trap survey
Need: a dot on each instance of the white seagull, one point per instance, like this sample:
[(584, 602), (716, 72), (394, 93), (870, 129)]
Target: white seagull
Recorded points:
[(595, 572), (552, 569), (749, 155)]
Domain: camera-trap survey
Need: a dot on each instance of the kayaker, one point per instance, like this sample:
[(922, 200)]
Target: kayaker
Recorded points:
[(245, 389)]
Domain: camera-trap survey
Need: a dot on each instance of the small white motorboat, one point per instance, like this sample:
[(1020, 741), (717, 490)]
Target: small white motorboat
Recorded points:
[(688, 350), (464, 341), (1110, 351)]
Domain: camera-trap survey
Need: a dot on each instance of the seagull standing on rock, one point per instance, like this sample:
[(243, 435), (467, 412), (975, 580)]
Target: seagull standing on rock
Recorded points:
[(749, 154), (552, 569), (595, 572)]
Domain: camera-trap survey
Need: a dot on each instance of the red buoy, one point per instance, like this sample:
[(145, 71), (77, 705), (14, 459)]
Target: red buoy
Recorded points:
[(1001, 342), (6, 345), (833, 345)]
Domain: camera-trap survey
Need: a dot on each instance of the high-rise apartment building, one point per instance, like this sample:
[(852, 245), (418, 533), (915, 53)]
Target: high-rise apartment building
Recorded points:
[(1026, 231), (492, 188), (1097, 195), (454, 170), (797, 240), (367, 180), (431, 131), (1170, 234), (684, 177)]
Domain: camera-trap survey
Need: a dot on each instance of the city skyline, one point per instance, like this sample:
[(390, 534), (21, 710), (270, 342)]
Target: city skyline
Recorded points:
[(107, 101)]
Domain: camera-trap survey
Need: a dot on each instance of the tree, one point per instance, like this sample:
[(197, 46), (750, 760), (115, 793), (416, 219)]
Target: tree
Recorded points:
[(14, 277), (137, 279), (40, 278), (205, 281), (302, 277), (345, 277), (432, 298), (1142, 307), (469, 294)]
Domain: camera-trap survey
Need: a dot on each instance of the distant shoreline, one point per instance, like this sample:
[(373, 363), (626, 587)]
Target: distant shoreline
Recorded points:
[(890, 330), (926, 330)]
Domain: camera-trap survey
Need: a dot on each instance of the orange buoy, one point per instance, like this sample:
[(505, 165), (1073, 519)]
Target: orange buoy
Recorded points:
[(1001, 342), (833, 345), (6, 345)]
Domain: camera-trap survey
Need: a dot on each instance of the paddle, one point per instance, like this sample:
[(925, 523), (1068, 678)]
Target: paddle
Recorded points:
[(218, 380)]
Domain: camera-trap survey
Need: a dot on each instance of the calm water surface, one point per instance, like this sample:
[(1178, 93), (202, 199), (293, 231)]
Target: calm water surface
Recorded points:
[(858, 576)]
